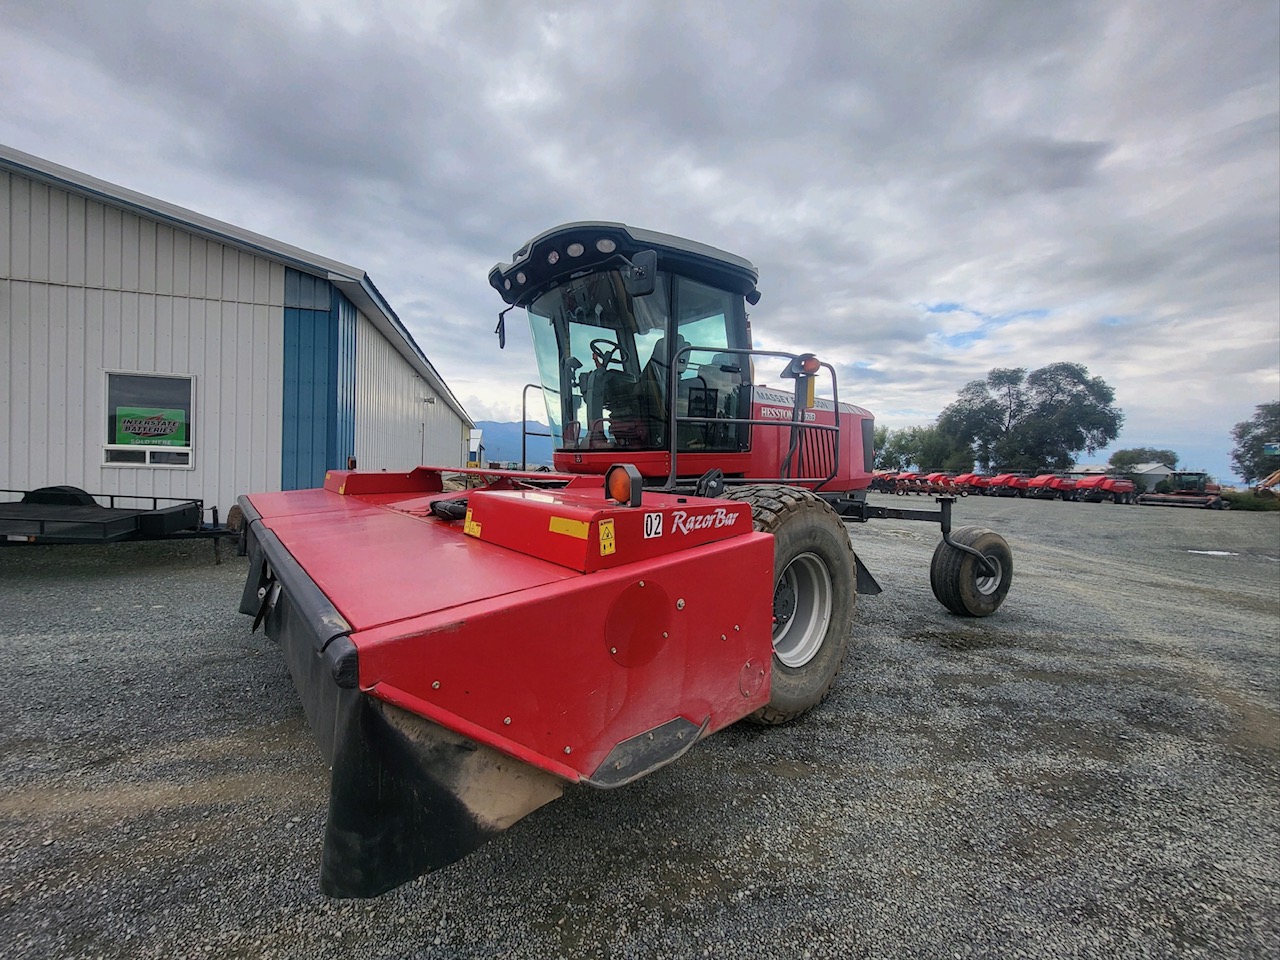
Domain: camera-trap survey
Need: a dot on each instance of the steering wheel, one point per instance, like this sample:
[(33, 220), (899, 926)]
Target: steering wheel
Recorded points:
[(605, 352)]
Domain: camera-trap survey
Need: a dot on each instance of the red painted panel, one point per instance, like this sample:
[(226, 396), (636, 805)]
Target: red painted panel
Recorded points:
[(418, 480), (530, 656), (582, 663), (582, 530), (651, 463), (378, 566), (298, 502)]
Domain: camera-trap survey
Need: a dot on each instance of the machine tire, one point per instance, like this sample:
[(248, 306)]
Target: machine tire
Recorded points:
[(957, 579), (812, 556)]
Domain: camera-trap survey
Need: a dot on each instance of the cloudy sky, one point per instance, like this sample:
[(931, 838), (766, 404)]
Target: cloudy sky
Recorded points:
[(929, 189)]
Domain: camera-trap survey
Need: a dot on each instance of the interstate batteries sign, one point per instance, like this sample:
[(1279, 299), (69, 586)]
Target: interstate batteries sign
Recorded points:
[(151, 427)]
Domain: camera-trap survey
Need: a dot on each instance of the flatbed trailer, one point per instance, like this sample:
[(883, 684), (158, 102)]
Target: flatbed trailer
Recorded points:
[(69, 515)]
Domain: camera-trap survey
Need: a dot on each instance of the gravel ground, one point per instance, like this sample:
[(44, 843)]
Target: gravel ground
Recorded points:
[(1095, 771)]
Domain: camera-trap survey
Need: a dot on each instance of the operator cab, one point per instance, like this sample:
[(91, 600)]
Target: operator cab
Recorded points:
[(630, 326)]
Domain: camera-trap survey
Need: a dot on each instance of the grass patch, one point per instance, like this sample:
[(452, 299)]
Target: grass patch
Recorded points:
[(1248, 501)]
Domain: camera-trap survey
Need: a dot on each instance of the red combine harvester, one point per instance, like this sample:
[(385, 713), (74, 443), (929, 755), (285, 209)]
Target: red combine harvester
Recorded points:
[(905, 483), (463, 655), (1051, 486), (941, 484), (1100, 487), (967, 483), (1008, 485), (883, 481), (1186, 490)]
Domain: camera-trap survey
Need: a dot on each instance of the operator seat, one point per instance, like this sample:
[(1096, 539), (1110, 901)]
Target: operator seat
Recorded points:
[(656, 369), (653, 387)]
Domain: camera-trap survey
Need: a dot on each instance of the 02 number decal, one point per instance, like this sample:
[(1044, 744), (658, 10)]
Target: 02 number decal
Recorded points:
[(652, 525)]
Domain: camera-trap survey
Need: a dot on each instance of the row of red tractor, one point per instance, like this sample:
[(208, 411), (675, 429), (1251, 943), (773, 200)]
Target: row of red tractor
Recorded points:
[(1046, 486)]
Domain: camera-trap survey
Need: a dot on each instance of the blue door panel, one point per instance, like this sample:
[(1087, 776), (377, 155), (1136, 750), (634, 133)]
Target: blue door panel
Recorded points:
[(319, 381)]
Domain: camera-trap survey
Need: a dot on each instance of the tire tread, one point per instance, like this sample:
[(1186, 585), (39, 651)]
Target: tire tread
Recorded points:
[(772, 507), (947, 570)]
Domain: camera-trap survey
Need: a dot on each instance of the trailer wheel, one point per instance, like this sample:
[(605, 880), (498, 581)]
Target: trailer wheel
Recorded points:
[(813, 597), (958, 579)]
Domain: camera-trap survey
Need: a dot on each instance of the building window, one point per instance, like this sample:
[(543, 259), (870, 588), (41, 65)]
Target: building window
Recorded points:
[(149, 421)]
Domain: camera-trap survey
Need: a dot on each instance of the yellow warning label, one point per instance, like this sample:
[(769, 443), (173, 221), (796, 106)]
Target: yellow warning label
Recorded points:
[(607, 544), (570, 528), (470, 527)]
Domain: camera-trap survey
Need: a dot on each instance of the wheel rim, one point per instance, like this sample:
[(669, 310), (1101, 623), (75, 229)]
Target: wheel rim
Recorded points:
[(987, 585), (802, 610)]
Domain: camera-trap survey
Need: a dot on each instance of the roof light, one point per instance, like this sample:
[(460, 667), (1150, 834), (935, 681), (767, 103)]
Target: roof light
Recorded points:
[(622, 484), (553, 258), (605, 245), (506, 284), (809, 364), (575, 250), (520, 278)]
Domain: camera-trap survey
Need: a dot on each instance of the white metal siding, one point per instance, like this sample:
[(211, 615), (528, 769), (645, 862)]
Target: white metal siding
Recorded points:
[(396, 429), (86, 288)]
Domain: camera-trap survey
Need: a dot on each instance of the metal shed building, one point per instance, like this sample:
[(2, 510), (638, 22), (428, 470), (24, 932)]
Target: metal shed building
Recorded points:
[(1148, 475), (148, 350)]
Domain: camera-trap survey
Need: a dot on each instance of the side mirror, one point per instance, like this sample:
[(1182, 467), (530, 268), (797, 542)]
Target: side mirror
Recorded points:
[(639, 276)]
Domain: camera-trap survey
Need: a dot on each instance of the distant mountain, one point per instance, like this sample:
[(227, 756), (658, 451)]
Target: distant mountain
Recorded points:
[(502, 443)]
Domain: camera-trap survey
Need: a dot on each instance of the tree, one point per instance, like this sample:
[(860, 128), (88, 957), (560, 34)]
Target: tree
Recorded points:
[(977, 417), (936, 450), (1249, 455), (1122, 460), (927, 449), (897, 451), (1033, 421), (878, 441)]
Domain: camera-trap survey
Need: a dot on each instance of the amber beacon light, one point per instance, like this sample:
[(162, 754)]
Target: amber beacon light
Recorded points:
[(622, 484)]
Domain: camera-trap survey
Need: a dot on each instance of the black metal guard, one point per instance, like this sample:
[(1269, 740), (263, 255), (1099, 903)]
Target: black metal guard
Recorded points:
[(525, 432), (798, 425)]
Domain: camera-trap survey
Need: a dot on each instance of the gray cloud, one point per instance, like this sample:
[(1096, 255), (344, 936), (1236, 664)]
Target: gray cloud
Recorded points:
[(1073, 162)]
